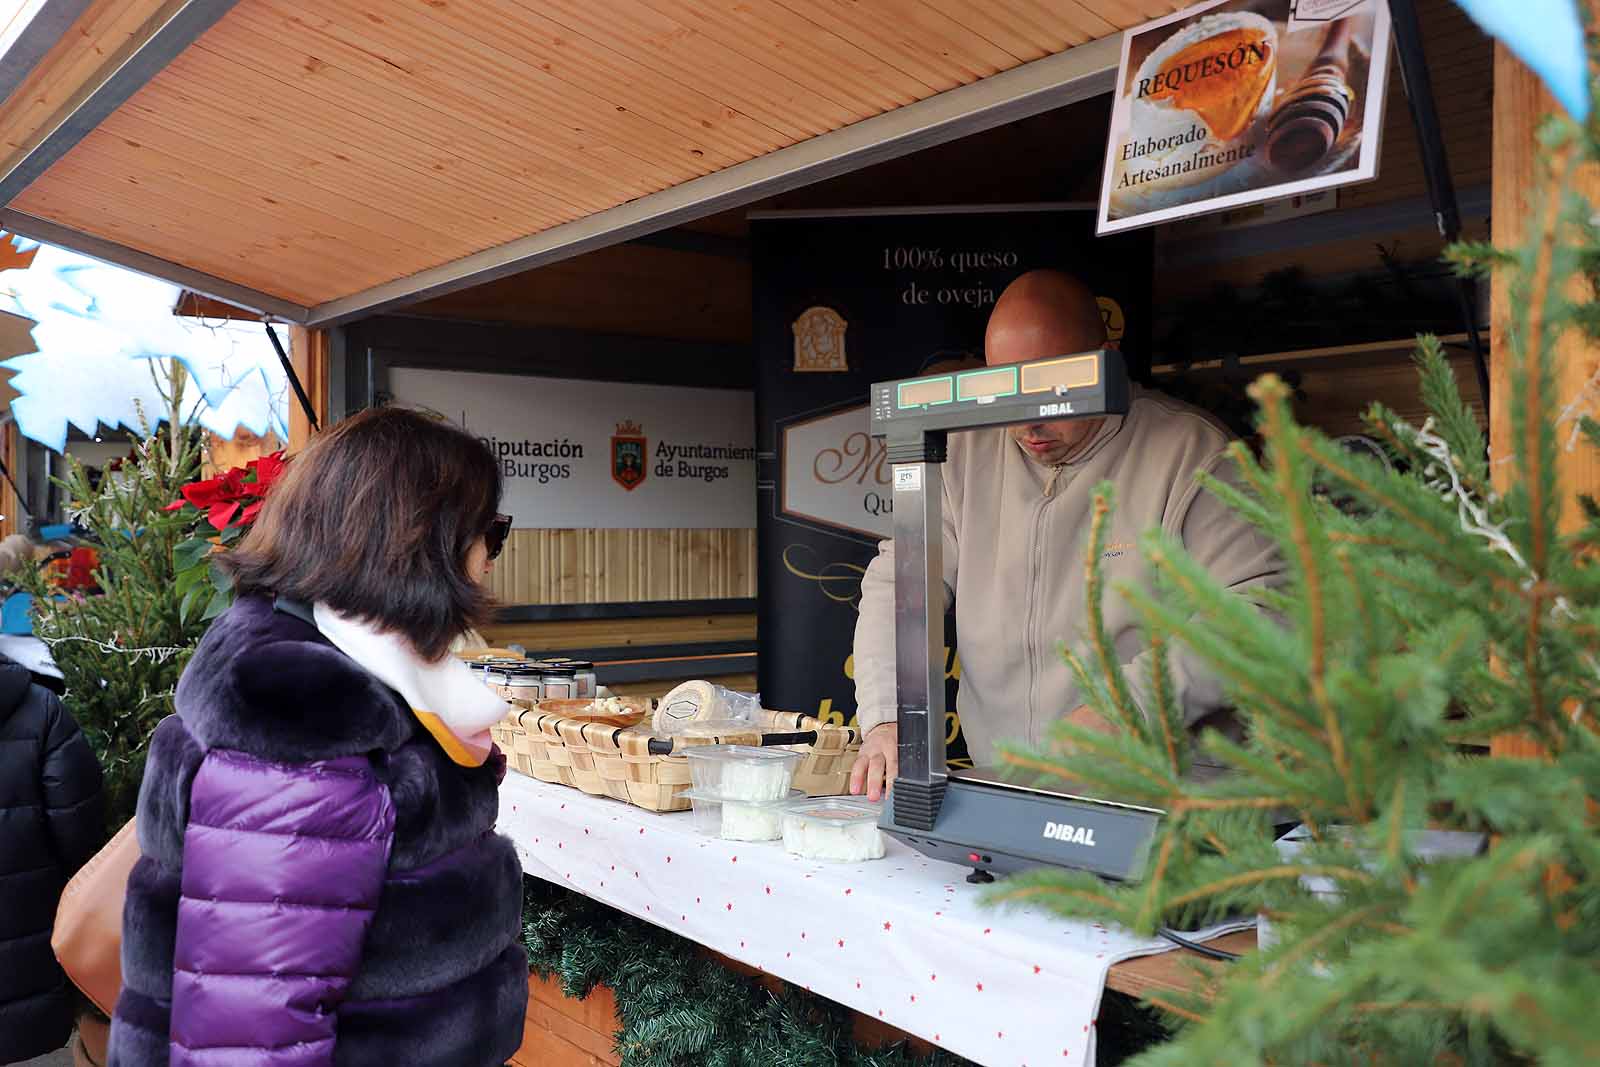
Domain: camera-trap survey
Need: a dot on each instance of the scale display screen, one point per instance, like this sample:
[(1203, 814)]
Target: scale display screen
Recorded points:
[(927, 391), (1074, 372), (986, 384)]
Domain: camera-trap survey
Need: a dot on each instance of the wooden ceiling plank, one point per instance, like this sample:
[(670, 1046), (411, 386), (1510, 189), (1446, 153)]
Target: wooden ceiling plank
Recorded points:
[(974, 53), (1074, 14), (1020, 39), (99, 32), (334, 96), (1031, 89), (346, 166), (208, 186), (110, 251), (565, 182), (217, 224), (930, 63), (281, 183), (614, 81), (798, 48), (353, 174), (417, 52), (1126, 13), (270, 105), (576, 60), (245, 263), (679, 52)]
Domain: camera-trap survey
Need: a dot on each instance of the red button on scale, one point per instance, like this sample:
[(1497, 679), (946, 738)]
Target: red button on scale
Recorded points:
[(973, 857)]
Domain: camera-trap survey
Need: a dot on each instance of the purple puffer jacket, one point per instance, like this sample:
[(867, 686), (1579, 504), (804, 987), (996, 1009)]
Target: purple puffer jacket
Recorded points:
[(320, 884)]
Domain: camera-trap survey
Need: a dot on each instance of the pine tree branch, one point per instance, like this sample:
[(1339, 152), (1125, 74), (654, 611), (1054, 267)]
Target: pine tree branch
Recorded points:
[(1121, 701), (1268, 874)]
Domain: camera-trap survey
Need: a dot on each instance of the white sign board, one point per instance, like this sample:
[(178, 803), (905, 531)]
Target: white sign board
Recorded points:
[(1236, 102), (837, 474), (603, 455)]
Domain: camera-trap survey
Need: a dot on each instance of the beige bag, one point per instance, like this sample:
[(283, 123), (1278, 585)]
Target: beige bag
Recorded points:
[(88, 933)]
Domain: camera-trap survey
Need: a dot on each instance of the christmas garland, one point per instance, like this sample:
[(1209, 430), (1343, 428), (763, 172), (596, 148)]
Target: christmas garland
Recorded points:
[(680, 1008)]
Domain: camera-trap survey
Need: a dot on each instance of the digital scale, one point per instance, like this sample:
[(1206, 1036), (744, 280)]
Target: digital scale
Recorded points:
[(974, 817)]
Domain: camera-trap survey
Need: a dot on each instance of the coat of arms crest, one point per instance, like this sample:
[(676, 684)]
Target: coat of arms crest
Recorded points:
[(819, 341), (629, 449)]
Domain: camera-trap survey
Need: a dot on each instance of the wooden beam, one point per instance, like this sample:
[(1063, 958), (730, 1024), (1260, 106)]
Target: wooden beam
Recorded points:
[(1520, 104), (308, 355), (11, 520)]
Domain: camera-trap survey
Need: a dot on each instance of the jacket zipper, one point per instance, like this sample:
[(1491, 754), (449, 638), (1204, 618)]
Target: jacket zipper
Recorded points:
[(1029, 636)]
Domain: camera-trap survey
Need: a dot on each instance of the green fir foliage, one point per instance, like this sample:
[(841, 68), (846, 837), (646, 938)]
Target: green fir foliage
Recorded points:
[(121, 651), (1425, 615)]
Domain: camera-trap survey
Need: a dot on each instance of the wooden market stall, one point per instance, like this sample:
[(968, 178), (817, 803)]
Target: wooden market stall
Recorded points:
[(478, 182)]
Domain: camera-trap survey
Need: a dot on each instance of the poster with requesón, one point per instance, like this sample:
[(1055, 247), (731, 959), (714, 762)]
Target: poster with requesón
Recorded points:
[(1239, 101)]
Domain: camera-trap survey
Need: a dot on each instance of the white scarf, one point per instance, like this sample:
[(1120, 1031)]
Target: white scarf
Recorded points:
[(446, 698)]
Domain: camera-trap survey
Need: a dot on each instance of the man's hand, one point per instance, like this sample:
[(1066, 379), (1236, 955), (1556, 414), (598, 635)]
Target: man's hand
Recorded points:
[(1089, 719), (879, 761)]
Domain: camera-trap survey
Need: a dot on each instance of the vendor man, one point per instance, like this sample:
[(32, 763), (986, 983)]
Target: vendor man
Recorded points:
[(1017, 503)]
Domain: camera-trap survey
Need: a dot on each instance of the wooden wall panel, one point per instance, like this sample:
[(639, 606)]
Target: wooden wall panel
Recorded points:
[(644, 632), (625, 566)]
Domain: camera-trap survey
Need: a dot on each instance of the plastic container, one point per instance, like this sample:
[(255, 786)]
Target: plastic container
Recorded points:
[(734, 820), (835, 829), (742, 772)]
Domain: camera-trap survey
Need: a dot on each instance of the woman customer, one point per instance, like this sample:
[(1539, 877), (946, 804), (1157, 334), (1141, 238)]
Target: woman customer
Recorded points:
[(321, 881)]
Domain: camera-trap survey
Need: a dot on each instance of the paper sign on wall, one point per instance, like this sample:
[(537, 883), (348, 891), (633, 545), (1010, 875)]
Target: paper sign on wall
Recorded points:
[(603, 455), (1239, 101)]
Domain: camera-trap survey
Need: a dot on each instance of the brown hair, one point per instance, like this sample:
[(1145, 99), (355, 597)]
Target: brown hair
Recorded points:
[(375, 520)]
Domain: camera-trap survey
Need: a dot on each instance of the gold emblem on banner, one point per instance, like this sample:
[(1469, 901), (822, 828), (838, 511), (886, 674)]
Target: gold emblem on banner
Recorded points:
[(1111, 315), (819, 341)]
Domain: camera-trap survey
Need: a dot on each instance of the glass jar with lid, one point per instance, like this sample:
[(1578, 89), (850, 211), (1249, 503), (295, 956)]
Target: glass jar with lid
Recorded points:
[(560, 682)]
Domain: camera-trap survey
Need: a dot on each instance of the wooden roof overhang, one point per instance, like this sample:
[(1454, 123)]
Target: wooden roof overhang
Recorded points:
[(321, 160)]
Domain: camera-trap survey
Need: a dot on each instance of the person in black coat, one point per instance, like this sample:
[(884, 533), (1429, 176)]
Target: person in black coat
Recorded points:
[(52, 819)]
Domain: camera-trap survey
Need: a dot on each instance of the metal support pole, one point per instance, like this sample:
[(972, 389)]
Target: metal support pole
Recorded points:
[(294, 379), (1435, 166), (919, 787)]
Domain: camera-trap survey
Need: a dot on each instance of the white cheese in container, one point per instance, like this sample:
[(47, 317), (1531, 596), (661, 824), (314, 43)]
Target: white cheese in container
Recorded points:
[(742, 772), (833, 828), (740, 821)]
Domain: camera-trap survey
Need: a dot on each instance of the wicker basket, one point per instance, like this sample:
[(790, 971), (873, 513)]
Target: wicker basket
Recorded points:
[(627, 763)]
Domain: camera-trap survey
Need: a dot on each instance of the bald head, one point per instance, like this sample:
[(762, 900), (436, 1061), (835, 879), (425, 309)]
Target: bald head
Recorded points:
[(1043, 313)]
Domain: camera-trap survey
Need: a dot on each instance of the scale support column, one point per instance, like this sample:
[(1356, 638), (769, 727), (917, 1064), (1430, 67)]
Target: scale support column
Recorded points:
[(918, 485)]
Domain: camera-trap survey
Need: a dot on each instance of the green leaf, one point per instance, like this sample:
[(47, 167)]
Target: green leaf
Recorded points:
[(220, 602)]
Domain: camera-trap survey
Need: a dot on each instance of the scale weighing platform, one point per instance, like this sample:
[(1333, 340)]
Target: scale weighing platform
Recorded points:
[(975, 817)]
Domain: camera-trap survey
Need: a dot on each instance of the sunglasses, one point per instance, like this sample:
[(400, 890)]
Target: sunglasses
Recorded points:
[(494, 538)]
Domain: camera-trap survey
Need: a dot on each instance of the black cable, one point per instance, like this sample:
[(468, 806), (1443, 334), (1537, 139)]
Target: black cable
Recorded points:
[(294, 379), (1195, 946), (1436, 166)]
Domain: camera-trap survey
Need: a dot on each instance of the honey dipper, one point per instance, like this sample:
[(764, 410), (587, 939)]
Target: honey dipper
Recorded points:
[(1307, 122)]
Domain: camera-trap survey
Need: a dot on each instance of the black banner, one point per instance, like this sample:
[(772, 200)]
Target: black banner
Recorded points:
[(842, 302)]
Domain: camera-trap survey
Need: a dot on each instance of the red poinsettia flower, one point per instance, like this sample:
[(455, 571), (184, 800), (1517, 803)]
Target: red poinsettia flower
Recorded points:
[(267, 469), (233, 495)]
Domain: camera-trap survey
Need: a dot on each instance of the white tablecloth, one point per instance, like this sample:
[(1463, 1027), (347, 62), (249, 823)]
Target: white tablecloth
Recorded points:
[(903, 938)]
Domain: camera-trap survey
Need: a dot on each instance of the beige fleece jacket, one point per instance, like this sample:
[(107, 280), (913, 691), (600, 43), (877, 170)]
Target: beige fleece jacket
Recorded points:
[(1014, 539)]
